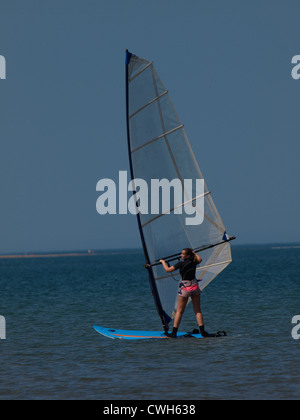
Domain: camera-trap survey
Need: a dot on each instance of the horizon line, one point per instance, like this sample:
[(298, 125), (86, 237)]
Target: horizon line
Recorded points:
[(91, 252)]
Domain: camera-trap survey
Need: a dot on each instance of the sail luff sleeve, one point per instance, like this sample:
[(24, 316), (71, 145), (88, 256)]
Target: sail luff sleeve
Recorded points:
[(165, 319)]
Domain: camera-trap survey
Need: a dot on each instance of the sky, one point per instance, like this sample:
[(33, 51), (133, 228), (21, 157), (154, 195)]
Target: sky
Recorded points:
[(227, 66)]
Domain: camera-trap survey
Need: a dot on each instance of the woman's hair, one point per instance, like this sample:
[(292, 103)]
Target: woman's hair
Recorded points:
[(190, 253)]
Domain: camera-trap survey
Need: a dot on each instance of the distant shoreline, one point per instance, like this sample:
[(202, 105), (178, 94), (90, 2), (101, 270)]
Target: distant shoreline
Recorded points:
[(59, 254), (49, 255)]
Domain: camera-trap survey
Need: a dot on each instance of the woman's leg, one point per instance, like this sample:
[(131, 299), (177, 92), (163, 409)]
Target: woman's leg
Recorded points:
[(182, 301), (197, 309)]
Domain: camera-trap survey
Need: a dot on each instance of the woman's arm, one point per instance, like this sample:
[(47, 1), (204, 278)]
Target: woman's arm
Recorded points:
[(199, 259), (166, 267)]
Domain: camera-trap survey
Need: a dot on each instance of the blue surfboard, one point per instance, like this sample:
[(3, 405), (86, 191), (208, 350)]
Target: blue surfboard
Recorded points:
[(145, 335), (137, 335)]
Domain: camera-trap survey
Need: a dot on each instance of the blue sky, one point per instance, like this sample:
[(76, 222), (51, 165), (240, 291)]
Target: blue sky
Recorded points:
[(227, 66)]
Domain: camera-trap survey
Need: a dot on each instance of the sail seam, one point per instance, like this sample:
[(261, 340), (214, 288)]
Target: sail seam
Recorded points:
[(174, 208), (140, 72), (147, 104), (157, 138)]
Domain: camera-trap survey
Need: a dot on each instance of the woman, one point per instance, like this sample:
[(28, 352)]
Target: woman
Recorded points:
[(188, 288)]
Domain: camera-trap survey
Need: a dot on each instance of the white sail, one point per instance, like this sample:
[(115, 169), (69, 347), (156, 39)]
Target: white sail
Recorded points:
[(159, 148)]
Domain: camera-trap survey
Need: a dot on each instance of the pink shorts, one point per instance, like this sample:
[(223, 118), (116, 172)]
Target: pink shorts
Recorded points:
[(189, 291)]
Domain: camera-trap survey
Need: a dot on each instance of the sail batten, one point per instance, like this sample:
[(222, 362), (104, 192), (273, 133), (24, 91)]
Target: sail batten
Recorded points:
[(149, 103), (198, 271), (159, 149), (176, 207), (140, 72), (161, 136)]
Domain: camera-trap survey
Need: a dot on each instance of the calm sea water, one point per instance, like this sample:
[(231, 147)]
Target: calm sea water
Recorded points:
[(52, 352)]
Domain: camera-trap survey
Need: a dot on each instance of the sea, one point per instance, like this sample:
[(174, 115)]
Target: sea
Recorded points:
[(51, 351)]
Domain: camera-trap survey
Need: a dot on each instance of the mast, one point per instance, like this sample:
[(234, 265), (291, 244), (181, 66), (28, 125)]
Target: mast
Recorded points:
[(165, 319)]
